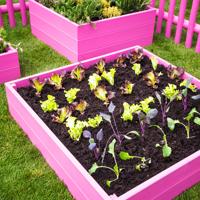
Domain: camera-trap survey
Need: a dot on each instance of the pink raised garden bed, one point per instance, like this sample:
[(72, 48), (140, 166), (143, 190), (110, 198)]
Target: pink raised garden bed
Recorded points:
[(9, 65), (80, 42), (165, 185)]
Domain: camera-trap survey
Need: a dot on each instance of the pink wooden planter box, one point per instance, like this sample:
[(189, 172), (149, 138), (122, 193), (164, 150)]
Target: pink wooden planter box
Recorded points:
[(9, 65), (164, 186), (80, 42)]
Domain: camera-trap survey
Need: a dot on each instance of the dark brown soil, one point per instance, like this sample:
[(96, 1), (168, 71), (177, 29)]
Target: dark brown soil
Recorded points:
[(129, 177)]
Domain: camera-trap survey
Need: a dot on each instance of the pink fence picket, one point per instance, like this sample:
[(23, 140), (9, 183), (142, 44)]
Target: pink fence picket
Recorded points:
[(11, 8), (179, 21)]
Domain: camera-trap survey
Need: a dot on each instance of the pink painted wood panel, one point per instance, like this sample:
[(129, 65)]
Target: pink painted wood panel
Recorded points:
[(160, 16), (180, 21), (11, 13), (86, 41), (9, 66), (165, 185)]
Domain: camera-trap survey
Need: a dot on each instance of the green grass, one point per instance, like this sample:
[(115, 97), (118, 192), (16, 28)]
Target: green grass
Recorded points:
[(24, 173)]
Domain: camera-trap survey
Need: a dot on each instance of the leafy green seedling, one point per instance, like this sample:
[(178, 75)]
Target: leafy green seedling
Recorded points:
[(127, 88), (121, 61), (137, 68), (78, 73), (95, 122), (143, 161), (38, 85), (109, 76), (81, 106), (151, 79), (71, 94), (94, 145), (49, 105), (93, 81), (116, 170), (75, 127), (186, 84), (56, 80), (154, 62), (166, 149), (101, 66), (136, 56), (62, 115), (174, 72), (144, 104), (101, 93), (171, 91)]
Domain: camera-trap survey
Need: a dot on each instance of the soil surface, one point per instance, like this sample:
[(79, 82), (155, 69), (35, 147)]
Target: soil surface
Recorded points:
[(138, 146)]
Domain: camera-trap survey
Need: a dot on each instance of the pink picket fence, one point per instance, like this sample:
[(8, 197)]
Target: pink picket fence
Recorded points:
[(171, 19), (179, 21), (11, 8)]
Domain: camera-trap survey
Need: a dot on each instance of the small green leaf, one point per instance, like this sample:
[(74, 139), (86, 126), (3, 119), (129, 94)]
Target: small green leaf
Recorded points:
[(111, 148), (108, 183), (167, 151), (93, 168), (116, 170), (154, 62), (125, 156), (172, 123), (197, 120)]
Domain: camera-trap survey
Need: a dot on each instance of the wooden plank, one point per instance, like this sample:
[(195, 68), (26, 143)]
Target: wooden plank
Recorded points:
[(180, 23), (160, 16), (11, 13), (192, 21), (170, 18)]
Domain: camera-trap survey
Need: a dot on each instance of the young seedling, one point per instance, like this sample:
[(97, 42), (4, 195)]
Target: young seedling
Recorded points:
[(116, 170), (75, 127), (38, 85), (174, 72), (93, 81), (136, 56), (121, 61), (143, 161), (101, 66), (78, 73), (154, 62), (71, 94), (127, 88), (94, 145), (151, 79), (166, 149), (109, 76), (62, 115), (81, 106), (137, 68), (56, 80), (95, 121), (170, 93), (186, 84), (101, 93), (171, 123), (49, 105)]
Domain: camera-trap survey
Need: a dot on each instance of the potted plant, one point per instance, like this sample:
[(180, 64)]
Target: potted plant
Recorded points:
[(9, 63), (83, 29), (125, 128)]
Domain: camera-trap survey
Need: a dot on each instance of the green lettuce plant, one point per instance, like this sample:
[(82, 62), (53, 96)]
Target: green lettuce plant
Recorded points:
[(109, 76), (154, 62), (37, 85), (137, 68), (95, 121), (80, 106), (93, 81), (56, 80), (78, 73), (151, 79), (62, 115), (127, 88), (71, 94), (49, 105)]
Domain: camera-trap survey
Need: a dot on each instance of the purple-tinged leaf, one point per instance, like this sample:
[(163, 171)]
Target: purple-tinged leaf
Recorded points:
[(106, 117), (158, 97), (86, 134), (111, 107), (92, 146), (196, 97), (99, 135), (152, 113)]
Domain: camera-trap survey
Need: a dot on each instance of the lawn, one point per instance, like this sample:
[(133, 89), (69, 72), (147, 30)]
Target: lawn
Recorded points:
[(24, 174)]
